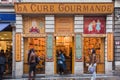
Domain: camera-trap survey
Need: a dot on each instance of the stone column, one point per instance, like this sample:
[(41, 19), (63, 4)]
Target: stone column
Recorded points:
[(49, 28), (19, 65), (109, 28), (78, 29)]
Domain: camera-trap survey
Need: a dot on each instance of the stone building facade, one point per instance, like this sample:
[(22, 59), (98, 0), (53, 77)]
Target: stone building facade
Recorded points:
[(116, 34), (66, 30)]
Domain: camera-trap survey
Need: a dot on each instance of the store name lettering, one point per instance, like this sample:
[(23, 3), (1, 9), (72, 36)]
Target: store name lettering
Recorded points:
[(64, 8)]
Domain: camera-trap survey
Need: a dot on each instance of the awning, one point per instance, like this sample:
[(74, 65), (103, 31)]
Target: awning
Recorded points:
[(3, 26), (7, 17)]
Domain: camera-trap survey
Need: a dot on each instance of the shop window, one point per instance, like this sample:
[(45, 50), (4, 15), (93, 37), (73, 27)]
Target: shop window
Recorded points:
[(39, 46), (98, 45)]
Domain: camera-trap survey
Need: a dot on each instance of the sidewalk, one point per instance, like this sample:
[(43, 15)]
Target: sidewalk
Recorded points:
[(71, 77)]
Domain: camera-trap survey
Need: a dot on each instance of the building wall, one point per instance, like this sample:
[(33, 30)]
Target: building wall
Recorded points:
[(109, 28), (78, 28), (49, 28), (117, 35), (117, 3), (50, 25), (7, 1), (7, 7), (19, 65)]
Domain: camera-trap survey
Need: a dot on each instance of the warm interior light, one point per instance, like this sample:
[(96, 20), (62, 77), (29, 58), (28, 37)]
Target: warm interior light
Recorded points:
[(5, 34), (2, 38)]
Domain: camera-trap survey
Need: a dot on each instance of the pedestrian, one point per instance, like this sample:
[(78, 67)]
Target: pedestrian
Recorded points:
[(10, 62), (2, 63), (93, 64), (32, 63), (61, 62), (6, 65), (64, 60)]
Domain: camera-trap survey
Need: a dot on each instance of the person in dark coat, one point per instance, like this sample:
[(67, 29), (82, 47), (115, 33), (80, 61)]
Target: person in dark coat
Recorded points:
[(32, 63), (2, 64), (61, 62)]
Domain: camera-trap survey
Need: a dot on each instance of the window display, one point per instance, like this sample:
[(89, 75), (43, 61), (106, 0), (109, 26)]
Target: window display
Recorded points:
[(98, 45), (39, 46)]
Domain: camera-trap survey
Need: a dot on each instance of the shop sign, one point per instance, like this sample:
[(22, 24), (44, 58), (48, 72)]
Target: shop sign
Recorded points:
[(7, 17), (18, 46), (94, 25), (65, 8), (110, 47)]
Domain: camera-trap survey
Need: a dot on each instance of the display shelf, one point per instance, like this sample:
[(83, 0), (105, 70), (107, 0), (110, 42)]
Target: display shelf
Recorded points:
[(97, 44), (39, 46)]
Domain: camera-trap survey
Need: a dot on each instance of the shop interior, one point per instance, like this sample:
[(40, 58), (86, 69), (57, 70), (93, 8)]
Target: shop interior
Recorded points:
[(98, 45), (6, 46), (39, 46), (66, 45)]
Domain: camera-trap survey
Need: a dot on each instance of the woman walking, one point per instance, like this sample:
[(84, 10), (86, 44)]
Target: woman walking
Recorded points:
[(32, 63)]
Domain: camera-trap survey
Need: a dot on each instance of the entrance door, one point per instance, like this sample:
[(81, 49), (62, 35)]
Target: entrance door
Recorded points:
[(39, 46), (6, 48), (66, 45), (98, 45)]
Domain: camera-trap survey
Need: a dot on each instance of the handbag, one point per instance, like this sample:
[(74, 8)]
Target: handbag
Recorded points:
[(91, 69), (37, 59)]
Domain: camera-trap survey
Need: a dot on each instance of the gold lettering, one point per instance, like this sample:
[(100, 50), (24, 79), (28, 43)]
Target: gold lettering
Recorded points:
[(67, 8), (61, 7), (103, 8), (52, 8), (73, 8), (33, 7), (45, 8), (24, 8), (85, 8), (40, 8), (78, 9), (91, 9), (97, 8), (109, 7), (19, 8)]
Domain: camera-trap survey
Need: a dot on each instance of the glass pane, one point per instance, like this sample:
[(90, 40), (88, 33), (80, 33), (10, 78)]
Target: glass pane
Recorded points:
[(39, 45), (98, 45)]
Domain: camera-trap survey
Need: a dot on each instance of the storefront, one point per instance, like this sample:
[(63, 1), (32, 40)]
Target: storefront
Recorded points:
[(73, 28), (7, 21)]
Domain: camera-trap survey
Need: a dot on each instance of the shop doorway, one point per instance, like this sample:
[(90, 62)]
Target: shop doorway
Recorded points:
[(6, 48), (66, 45), (98, 45), (39, 46)]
